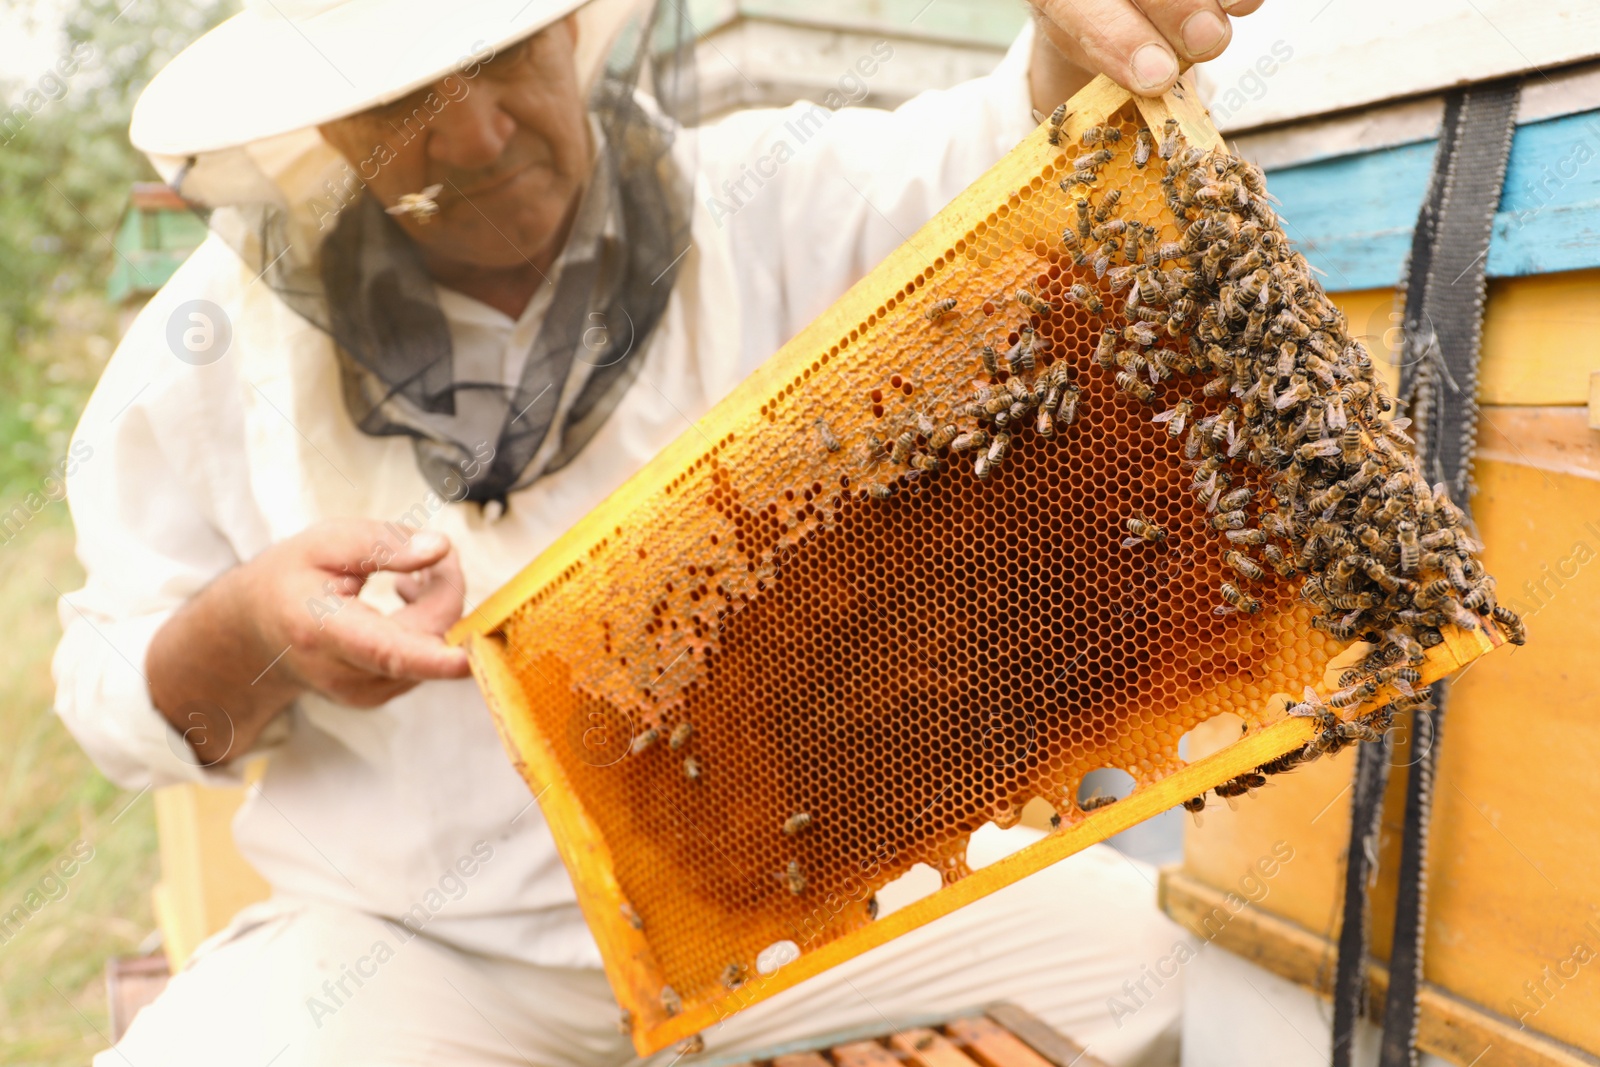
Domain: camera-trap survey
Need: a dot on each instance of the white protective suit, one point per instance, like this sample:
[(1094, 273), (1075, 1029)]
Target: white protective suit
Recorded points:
[(364, 814)]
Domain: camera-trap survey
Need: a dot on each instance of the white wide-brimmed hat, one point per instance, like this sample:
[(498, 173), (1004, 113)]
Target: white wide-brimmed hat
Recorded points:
[(283, 65)]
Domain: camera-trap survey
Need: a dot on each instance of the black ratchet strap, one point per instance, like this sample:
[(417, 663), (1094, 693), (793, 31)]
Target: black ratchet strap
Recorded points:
[(1444, 289)]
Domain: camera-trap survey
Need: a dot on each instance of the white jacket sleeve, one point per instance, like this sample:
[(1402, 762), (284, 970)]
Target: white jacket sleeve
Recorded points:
[(812, 199), (146, 538)]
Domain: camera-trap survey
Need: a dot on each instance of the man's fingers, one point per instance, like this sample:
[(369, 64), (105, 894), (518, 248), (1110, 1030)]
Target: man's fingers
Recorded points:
[(1114, 37), (1241, 7), (376, 643), (1196, 29), (434, 597), (363, 546)]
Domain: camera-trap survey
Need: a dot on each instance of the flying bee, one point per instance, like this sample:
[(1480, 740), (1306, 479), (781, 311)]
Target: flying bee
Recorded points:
[(420, 206), (691, 768), (1177, 417), (644, 740), (1085, 296), (1143, 532), (1067, 412), (733, 975), (1131, 384), (1096, 803), (939, 309), (825, 434), (680, 736), (972, 439), (795, 878), (1141, 148), (798, 823), (1242, 563)]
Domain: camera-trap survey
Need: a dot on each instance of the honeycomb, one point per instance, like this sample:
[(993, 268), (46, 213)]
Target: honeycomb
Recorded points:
[(817, 642)]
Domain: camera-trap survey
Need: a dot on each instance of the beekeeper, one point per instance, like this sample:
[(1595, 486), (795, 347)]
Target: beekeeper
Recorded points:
[(471, 265)]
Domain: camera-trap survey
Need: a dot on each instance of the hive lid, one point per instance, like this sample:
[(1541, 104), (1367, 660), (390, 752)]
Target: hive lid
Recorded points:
[(782, 665)]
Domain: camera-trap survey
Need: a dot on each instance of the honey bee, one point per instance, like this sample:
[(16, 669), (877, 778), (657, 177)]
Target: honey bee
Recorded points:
[(942, 436), (1020, 358), (1276, 559), (1242, 563), (1140, 333), (1229, 520), (798, 823), (680, 736), (825, 434), (1068, 410), (691, 768), (1142, 146), (644, 740), (982, 467), (1085, 225), (972, 439), (1044, 424), (733, 975), (1236, 499), (1091, 162), (1511, 622), (631, 916), (1236, 601), (879, 491), (900, 450), (1130, 383), (692, 1046), (1194, 805), (1092, 135), (1143, 532), (1086, 297), (671, 1003), (927, 464), (1169, 138), (1108, 203), (1410, 549), (939, 309), (1057, 117), (872, 906), (1037, 305), (1105, 351), (999, 447), (625, 1022), (795, 878), (420, 206), (1096, 803), (1177, 417)]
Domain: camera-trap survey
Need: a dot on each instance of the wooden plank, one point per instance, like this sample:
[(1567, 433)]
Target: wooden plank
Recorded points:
[(864, 1054), (801, 1059), (1048, 1042), (991, 1045), (1364, 51), (1455, 1029), (1554, 439), (928, 1048)]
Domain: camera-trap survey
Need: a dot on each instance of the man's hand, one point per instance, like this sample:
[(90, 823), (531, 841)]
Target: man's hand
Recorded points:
[(1139, 44), (288, 622)]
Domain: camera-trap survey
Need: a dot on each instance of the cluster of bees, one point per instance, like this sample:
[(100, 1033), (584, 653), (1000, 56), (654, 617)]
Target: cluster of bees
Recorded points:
[(1228, 337)]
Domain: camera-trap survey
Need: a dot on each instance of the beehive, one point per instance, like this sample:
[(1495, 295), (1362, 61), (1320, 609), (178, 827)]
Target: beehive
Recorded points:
[(779, 668)]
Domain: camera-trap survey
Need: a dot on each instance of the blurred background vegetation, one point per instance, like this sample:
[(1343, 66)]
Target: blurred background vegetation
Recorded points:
[(64, 181)]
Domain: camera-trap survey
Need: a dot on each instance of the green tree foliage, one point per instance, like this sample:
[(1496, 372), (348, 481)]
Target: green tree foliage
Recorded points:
[(65, 169)]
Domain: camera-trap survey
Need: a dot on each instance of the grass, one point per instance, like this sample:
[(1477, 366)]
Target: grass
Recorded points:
[(52, 994)]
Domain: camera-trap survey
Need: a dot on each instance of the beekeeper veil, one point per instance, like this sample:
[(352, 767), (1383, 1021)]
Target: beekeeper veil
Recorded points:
[(300, 215)]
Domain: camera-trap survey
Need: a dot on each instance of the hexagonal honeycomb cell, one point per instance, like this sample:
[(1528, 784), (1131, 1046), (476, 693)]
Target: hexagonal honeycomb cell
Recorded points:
[(782, 667)]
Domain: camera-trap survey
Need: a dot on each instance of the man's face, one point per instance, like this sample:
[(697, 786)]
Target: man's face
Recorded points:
[(510, 146)]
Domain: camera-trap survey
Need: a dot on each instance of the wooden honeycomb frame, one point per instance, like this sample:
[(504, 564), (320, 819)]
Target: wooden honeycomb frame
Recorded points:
[(505, 639)]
